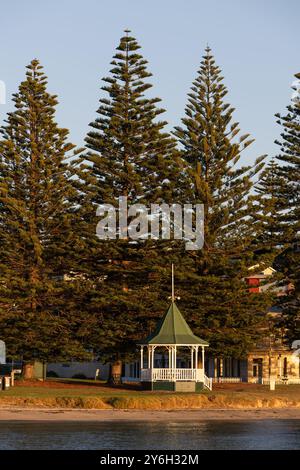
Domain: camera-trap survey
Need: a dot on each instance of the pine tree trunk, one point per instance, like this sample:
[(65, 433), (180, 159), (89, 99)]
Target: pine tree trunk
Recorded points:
[(28, 371), (115, 373)]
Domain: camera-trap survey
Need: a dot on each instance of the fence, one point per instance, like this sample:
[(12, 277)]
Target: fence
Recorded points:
[(283, 381), (227, 380)]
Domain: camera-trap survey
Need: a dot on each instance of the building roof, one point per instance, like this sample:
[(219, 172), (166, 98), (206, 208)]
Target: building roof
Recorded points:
[(173, 329)]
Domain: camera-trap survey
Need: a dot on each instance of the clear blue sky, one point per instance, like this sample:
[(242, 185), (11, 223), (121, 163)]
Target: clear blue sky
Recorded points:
[(255, 42)]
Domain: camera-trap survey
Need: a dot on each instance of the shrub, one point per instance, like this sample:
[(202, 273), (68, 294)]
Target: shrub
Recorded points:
[(51, 373), (79, 376)]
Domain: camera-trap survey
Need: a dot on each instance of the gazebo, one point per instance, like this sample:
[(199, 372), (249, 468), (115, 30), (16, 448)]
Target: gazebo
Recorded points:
[(160, 371)]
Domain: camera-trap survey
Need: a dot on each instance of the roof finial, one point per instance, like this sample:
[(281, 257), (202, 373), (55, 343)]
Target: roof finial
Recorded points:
[(173, 294)]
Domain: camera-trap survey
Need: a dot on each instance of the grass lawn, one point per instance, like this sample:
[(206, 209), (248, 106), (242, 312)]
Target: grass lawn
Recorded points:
[(90, 394)]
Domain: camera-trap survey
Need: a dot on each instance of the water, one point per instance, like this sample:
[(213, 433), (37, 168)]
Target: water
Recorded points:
[(262, 434)]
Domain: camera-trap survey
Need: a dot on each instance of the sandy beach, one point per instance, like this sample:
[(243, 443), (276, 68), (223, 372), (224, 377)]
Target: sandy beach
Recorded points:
[(17, 414)]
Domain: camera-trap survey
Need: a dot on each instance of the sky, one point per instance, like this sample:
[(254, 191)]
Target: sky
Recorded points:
[(255, 43)]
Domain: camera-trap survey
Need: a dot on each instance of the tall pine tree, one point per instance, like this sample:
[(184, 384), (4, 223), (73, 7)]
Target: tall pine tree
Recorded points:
[(36, 216), (289, 170), (220, 306), (130, 154)]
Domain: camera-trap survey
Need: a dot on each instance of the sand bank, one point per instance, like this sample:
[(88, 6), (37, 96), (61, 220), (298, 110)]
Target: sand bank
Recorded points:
[(17, 414)]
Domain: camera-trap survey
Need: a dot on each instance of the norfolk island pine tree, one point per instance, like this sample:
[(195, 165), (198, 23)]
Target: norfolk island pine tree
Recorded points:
[(37, 315), (130, 154), (288, 261), (220, 307)]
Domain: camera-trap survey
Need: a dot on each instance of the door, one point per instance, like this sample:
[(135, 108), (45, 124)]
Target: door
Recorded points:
[(258, 369)]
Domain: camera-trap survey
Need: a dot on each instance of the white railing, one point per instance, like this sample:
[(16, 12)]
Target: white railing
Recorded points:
[(227, 380), (172, 375), (293, 381), (207, 382), (283, 381)]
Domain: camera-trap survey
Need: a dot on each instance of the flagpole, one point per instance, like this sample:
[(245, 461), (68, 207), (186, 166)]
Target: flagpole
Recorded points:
[(173, 295)]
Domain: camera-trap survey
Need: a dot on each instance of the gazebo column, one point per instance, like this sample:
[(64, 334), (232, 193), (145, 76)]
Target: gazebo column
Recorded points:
[(142, 357), (175, 357), (203, 358), (174, 363), (192, 357), (149, 357), (152, 356), (152, 350)]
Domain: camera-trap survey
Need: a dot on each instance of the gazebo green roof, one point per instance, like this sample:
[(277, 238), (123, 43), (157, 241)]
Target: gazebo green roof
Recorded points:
[(173, 329)]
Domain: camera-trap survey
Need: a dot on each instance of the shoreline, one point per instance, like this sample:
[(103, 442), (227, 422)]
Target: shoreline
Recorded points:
[(96, 415)]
